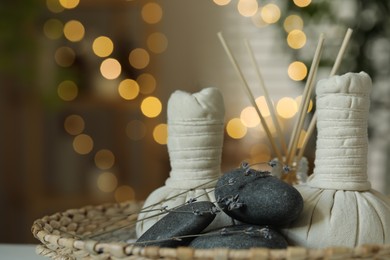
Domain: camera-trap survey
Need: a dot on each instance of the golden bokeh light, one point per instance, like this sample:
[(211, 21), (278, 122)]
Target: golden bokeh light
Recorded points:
[(53, 29), (102, 46), (69, 4), (293, 22), (160, 134), (54, 6), (221, 2), (83, 144), (64, 56), (67, 90), (135, 130), (147, 83), (139, 58), (247, 8), (235, 128), (302, 3), (297, 70), (124, 193), (157, 42), (74, 124), (299, 100), (286, 107), (107, 182), (151, 13), (270, 13), (74, 31), (104, 159), (296, 39), (151, 107), (128, 89), (110, 68), (249, 117)]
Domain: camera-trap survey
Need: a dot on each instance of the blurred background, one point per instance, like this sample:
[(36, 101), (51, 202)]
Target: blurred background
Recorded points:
[(84, 86)]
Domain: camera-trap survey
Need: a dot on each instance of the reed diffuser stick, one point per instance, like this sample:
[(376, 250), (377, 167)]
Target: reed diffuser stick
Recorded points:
[(267, 98), (340, 55), (250, 95), (304, 102), (336, 66)]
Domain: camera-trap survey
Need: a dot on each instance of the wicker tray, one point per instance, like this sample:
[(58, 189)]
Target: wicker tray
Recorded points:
[(67, 235)]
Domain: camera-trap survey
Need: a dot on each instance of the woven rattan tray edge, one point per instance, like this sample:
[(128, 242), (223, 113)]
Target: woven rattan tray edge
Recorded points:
[(55, 234)]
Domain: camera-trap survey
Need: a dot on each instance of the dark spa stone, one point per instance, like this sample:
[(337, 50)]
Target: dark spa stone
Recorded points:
[(240, 237), (256, 197), (189, 219)]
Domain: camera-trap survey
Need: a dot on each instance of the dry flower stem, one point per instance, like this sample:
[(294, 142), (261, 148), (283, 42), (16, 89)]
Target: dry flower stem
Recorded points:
[(250, 95)]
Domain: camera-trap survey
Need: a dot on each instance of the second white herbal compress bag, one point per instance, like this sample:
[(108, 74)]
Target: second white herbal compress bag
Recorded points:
[(340, 208)]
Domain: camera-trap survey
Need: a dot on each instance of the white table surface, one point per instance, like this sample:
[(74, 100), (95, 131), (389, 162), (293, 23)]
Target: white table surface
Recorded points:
[(19, 251)]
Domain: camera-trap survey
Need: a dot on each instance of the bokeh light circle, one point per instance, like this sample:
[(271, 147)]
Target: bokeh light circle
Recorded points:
[(247, 8), (235, 128), (74, 124), (104, 159), (297, 70), (74, 31), (107, 182), (102, 46), (67, 90), (151, 13), (64, 56), (157, 42), (296, 39), (151, 107), (139, 58), (147, 83), (270, 13), (286, 107), (83, 144), (160, 134), (110, 68), (128, 89)]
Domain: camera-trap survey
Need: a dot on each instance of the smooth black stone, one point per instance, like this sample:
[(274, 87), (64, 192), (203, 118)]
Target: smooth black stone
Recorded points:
[(258, 198), (240, 237), (189, 219)]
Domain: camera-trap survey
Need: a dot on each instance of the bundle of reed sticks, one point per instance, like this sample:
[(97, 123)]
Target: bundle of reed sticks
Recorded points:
[(289, 155)]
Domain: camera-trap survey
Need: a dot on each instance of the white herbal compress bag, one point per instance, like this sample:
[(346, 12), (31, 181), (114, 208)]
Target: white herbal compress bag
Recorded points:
[(195, 139), (340, 208)]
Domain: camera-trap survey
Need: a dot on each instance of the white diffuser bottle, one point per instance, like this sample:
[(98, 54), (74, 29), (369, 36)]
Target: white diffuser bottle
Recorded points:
[(340, 208), (195, 139)]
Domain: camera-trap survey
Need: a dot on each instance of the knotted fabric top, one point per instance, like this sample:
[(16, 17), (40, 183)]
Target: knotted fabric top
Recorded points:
[(195, 137), (341, 154)]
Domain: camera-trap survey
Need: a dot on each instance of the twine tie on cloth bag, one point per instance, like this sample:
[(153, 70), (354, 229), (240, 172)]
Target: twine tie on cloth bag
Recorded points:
[(340, 208), (195, 139)]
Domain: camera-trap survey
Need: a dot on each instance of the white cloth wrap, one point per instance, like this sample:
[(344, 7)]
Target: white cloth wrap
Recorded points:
[(195, 139), (340, 209), (341, 154), (195, 152)]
